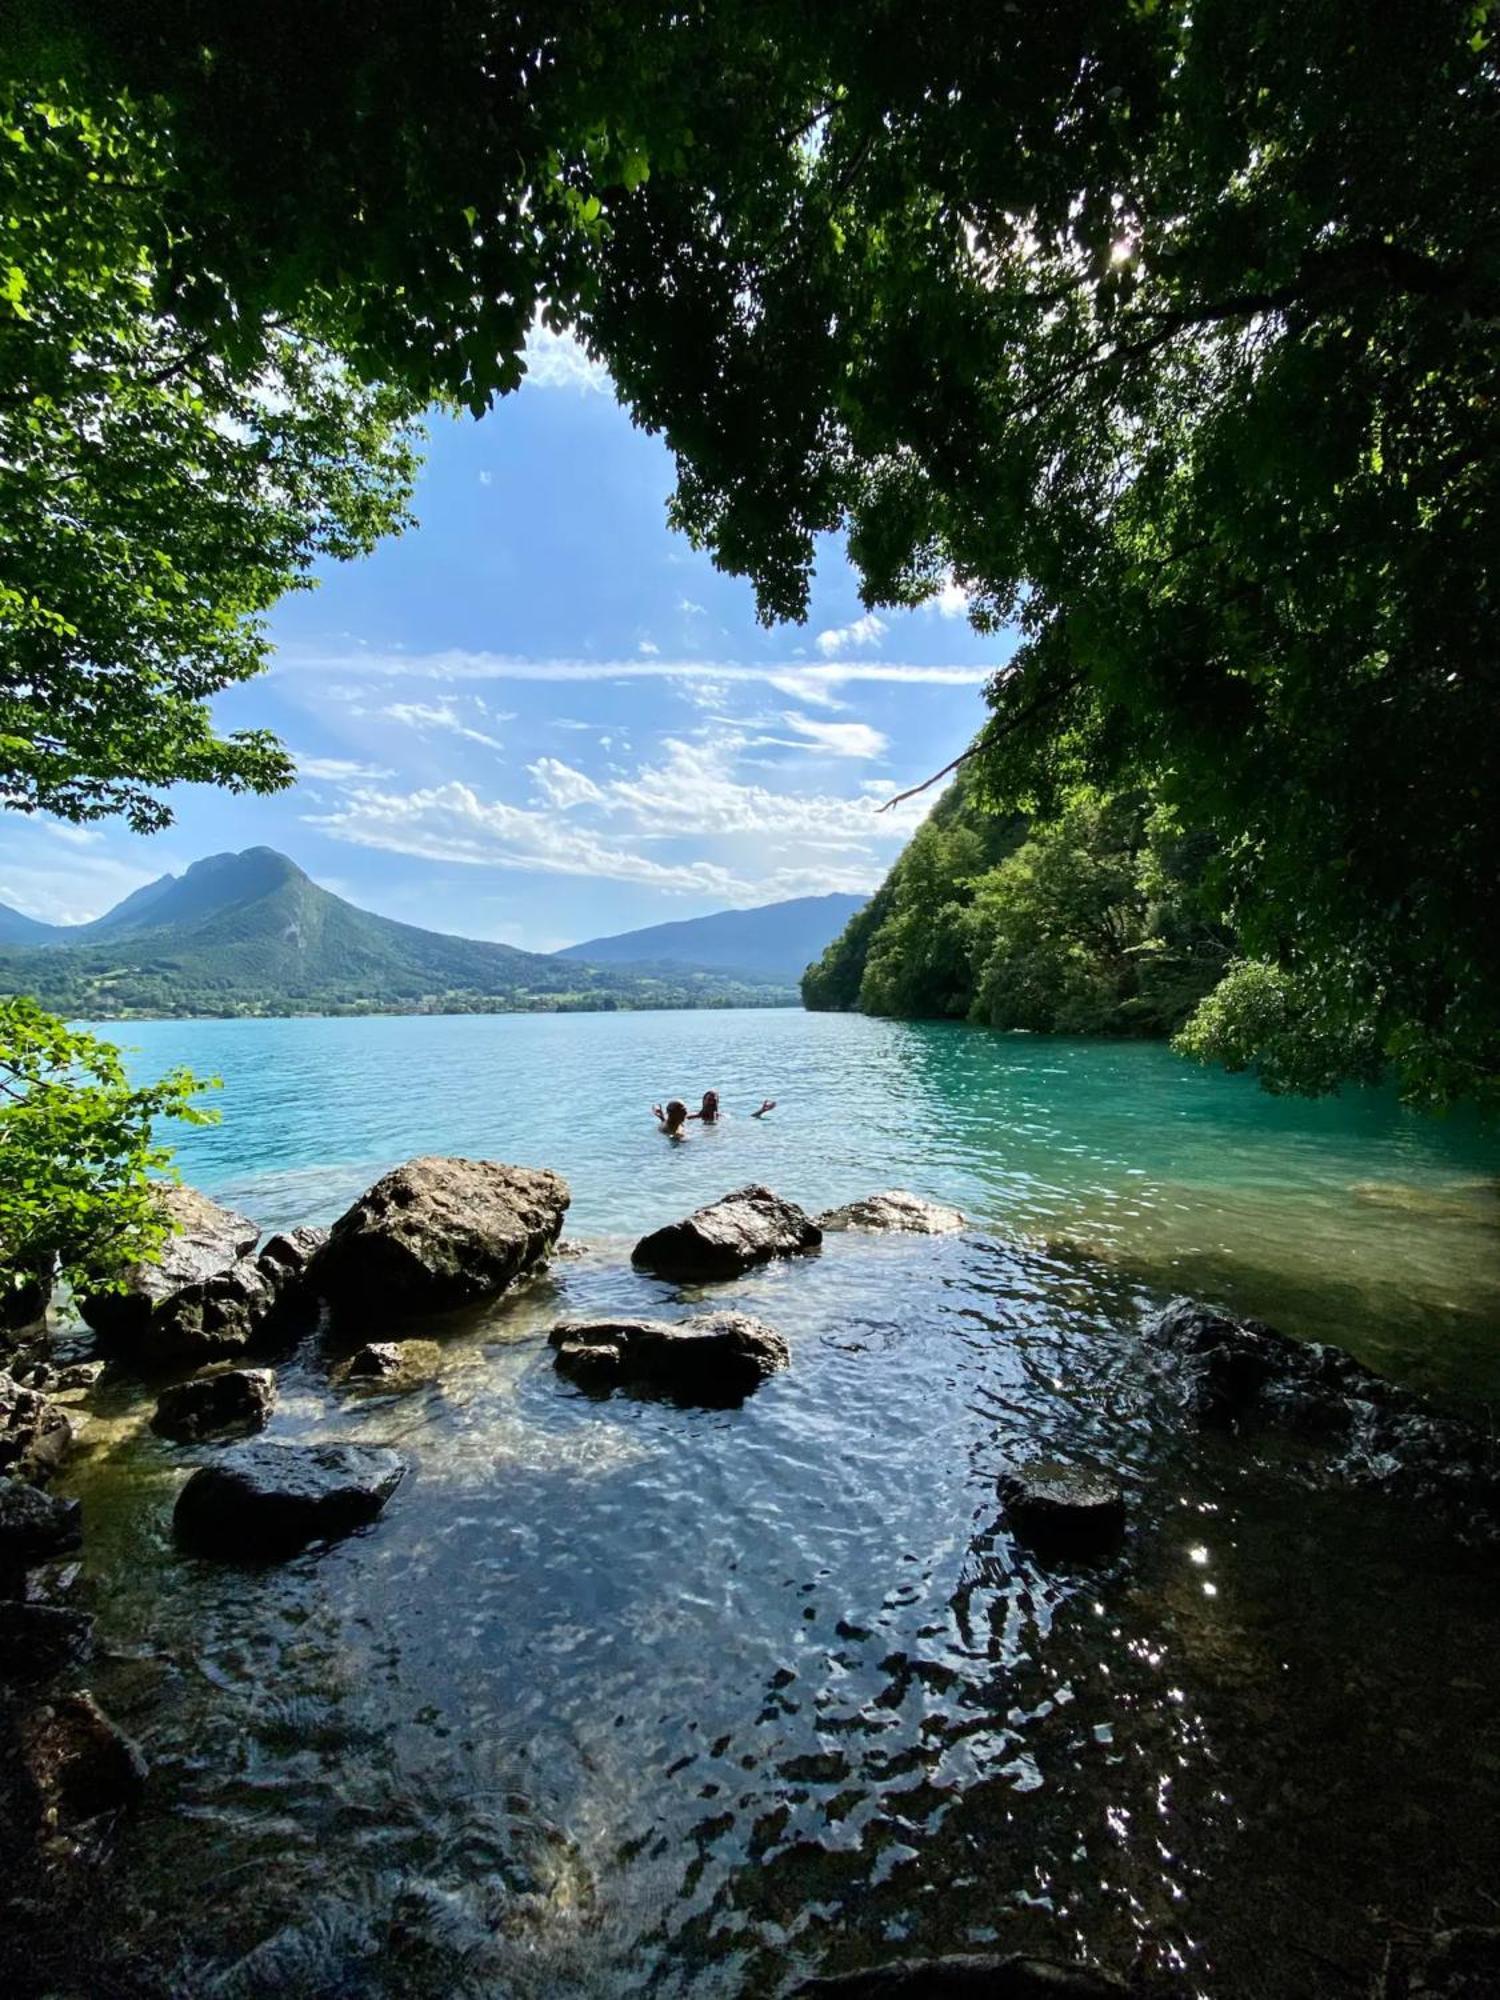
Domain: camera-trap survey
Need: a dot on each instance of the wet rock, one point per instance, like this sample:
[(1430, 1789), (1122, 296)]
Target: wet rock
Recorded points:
[(207, 1240), (968, 1976), (35, 1526), (1236, 1372), (715, 1359), (1063, 1509), (393, 1361), (38, 1640), (260, 1501), (78, 1375), (239, 1399), (287, 1259), (440, 1233), (35, 1435), (207, 1322), (728, 1237), (898, 1210), (79, 1763)]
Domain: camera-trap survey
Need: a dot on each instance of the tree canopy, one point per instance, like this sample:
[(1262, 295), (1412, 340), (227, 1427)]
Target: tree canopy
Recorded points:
[(1168, 327), (159, 490)]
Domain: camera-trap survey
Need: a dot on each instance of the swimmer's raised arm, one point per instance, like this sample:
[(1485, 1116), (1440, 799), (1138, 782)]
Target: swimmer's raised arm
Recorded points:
[(769, 1105)]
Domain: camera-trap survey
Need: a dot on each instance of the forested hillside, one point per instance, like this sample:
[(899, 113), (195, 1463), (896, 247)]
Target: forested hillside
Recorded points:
[(1090, 923)]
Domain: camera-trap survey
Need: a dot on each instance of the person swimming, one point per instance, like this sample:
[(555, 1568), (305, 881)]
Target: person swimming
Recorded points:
[(708, 1111), (673, 1119)]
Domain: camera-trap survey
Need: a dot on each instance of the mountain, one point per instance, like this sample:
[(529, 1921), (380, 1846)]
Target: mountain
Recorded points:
[(777, 941), (251, 934), (16, 929)]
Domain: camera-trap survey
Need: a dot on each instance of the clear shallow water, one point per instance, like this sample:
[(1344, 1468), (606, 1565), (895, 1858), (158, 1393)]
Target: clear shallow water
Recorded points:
[(620, 1697)]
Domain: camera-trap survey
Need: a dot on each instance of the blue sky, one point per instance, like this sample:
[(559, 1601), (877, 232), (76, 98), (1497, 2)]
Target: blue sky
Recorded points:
[(541, 717)]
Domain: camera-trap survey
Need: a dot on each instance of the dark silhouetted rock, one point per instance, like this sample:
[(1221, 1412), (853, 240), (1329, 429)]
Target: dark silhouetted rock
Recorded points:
[(79, 1763), (208, 1239), (1237, 1372), (239, 1399), (1459, 1964), (895, 1209), (714, 1359), (1063, 1509), (35, 1435), (259, 1501), (728, 1237), (967, 1976), (34, 1526), (38, 1640), (440, 1233), (24, 1298)]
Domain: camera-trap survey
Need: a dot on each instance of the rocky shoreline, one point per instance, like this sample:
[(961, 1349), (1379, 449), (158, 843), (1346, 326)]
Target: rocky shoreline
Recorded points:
[(440, 1234)]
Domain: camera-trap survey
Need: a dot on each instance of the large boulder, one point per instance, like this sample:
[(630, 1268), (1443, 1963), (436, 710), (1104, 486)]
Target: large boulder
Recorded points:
[(261, 1501), (895, 1209), (238, 1399), (728, 1237), (715, 1359), (439, 1233), (205, 1242), (967, 1976), (35, 1435), (79, 1763), (34, 1527)]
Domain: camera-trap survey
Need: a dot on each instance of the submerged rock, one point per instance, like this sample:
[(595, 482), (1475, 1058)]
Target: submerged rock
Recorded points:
[(393, 1361), (239, 1399), (728, 1237), (266, 1500), (39, 1640), (440, 1233), (79, 1763), (1063, 1509), (78, 1375), (35, 1526), (895, 1209), (206, 1242), (968, 1976), (714, 1359), (35, 1435)]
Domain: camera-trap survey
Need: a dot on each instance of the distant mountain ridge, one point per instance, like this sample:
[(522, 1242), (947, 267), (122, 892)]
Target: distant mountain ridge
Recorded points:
[(774, 941), (250, 933)]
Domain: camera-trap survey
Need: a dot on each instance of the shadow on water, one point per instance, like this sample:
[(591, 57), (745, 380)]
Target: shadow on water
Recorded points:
[(624, 1697)]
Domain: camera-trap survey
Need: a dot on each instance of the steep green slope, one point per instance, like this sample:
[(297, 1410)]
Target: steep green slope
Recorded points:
[(776, 941), (1091, 923), (255, 935)]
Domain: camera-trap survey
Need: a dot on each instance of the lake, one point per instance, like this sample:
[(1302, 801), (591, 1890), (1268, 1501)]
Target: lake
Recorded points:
[(622, 1697)]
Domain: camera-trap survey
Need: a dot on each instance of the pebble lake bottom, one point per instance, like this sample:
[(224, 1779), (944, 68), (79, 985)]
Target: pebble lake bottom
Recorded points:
[(622, 1697)]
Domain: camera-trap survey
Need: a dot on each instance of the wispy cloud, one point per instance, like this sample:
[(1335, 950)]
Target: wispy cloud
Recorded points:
[(816, 683), (838, 739), (861, 633), (337, 770), (422, 715), (563, 786)]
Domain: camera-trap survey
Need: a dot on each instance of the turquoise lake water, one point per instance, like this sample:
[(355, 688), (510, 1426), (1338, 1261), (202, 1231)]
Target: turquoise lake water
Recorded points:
[(619, 1697), (1345, 1219)]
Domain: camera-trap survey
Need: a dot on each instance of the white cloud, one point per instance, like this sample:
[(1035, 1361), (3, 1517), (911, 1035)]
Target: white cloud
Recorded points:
[(863, 632), (423, 716), (752, 843), (486, 478), (556, 361), (816, 683), (561, 785), (838, 739), (337, 770), (952, 600), (648, 649), (689, 609)]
